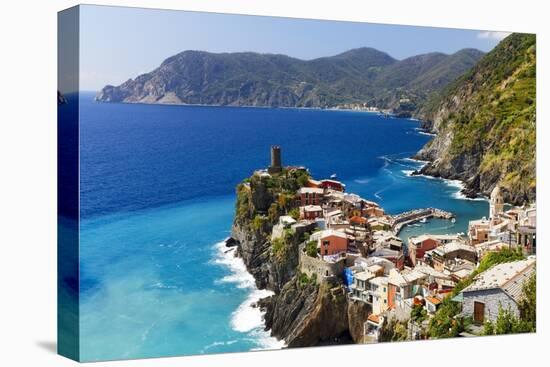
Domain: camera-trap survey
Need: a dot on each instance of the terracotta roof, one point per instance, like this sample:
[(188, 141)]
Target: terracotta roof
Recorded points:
[(374, 318), (356, 219), (433, 300)]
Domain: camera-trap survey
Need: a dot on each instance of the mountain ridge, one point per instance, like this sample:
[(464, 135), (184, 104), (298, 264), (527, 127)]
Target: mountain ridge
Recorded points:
[(358, 76)]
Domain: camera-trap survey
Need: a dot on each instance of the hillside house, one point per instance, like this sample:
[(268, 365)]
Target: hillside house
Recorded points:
[(439, 257), (311, 212), (379, 292), (404, 285), (500, 286), (310, 196), (332, 242), (418, 245), (332, 185), (479, 230)]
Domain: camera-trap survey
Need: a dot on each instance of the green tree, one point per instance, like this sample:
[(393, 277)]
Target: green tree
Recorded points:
[(393, 330), (508, 323), (418, 313), (528, 304), (488, 328), (445, 324), (302, 180), (259, 223), (278, 247), (311, 248), (294, 213)]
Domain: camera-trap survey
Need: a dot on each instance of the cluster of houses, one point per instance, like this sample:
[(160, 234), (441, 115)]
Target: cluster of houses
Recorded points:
[(504, 228), (357, 245)]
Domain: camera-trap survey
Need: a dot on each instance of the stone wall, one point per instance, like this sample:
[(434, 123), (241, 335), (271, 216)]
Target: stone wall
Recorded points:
[(492, 298), (325, 271)]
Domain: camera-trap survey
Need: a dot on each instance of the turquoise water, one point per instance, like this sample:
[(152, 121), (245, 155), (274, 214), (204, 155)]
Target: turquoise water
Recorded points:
[(157, 197), (165, 289)]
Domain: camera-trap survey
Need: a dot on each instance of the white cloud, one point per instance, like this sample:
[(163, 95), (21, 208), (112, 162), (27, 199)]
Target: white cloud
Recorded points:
[(493, 35)]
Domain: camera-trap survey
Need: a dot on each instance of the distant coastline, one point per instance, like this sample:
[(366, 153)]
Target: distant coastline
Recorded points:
[(377, 111)]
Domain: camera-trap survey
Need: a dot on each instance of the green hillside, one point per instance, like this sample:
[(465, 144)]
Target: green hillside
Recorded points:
[(358, 76), (485, 122)]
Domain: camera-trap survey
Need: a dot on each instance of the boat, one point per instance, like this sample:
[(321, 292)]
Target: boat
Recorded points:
[(453, 220), (423, 220), (333, 175)]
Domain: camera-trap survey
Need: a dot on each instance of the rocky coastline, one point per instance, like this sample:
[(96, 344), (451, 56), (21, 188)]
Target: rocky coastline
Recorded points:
[(302, 313), (477, 140)]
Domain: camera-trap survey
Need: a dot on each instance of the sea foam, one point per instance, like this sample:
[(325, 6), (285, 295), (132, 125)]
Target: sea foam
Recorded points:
[(247, 318)]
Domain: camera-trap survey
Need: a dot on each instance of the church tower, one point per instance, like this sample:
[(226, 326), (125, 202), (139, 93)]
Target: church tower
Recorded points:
[(496, 204)]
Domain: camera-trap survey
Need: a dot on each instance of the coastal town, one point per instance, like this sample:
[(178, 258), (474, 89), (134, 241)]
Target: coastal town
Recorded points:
[(353, 246)]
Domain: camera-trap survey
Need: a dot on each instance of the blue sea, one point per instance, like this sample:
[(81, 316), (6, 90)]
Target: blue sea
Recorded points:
[(157, 199)]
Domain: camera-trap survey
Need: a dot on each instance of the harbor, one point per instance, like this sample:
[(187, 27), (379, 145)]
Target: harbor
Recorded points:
[(418, 215)]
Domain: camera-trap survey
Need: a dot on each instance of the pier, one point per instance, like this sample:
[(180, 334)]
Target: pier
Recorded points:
[(400, 220)]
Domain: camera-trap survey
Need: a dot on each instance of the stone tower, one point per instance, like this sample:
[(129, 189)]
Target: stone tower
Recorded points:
[(276, 166), (496, 205)]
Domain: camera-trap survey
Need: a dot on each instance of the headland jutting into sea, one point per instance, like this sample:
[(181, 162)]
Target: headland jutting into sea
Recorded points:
[(339, 274)]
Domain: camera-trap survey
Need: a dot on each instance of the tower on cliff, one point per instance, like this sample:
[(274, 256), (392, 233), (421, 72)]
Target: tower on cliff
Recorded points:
[(496, 204), (276, 166)]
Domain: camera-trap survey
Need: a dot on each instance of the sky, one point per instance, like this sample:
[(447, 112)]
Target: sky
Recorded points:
[(118, 43)]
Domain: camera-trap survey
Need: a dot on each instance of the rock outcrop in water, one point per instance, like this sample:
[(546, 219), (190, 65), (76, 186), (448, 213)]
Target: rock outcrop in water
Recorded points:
[(485, 124), (359, 76), (301, 312)]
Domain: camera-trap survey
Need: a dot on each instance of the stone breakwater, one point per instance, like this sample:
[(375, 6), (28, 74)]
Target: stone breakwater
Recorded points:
[(400, 220)]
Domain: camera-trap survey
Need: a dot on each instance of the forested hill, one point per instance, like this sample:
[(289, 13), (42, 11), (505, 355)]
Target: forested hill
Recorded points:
[(485, 123), (360, 76)]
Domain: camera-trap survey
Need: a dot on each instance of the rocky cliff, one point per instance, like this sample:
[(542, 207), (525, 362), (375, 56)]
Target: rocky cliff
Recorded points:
[(363, 75), (301, 312), (485, 124), (305, 314)]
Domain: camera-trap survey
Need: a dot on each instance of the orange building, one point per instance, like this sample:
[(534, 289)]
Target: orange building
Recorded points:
[(332, 242), (392, 291)]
